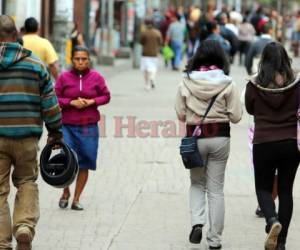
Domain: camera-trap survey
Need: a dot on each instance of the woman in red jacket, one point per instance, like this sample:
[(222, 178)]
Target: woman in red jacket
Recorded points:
[(80, 91)]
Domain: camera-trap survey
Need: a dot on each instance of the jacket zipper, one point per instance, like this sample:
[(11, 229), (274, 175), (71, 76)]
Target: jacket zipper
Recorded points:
[(80, 82)]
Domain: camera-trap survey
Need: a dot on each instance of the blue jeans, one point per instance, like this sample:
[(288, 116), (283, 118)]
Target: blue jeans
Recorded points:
[(177, 48)]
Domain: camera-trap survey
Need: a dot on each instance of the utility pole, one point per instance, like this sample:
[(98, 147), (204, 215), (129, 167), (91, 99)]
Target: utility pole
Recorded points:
[(140, 11), (102, 25), (10, 8), (61, 28), (106, 56), (110, 26), (86, 25), (282, 6)]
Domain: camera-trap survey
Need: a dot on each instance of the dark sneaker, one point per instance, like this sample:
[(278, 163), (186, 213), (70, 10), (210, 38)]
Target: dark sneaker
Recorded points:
[(259, 213), (196, 234), (24, 238), (216, 247), (280, 246), (76, 206), (152, 84), (274, 228), (63, 202)]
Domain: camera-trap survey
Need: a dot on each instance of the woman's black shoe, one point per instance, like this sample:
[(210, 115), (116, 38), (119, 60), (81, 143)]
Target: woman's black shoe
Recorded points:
[(63, 202), (259, 213), (280, 246), (76, 206), (196, 234), (216, 247)]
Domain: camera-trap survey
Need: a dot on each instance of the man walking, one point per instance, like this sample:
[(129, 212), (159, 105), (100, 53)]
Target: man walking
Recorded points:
[(175, 36), (26, 100), (256, 48), (151, 41), (40, 46)]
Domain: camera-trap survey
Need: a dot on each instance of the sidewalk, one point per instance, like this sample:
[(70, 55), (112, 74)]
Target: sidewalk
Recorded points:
[(138, 197), (119, 66)]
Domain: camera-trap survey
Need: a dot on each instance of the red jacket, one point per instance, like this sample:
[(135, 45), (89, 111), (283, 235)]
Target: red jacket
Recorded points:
[(90, 85)]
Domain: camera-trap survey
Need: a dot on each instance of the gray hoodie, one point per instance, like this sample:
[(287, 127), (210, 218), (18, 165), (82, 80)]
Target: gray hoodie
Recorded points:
[(195, 92)]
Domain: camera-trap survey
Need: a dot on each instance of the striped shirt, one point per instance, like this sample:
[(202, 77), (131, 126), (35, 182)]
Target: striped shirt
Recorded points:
[(26, 94)]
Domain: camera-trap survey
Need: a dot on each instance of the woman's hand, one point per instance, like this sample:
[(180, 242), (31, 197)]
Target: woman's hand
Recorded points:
[(88, 102), (78, 103), (81, 103)]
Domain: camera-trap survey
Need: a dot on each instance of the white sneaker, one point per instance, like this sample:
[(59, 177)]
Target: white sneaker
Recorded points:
[(147, 87), (271, 240)]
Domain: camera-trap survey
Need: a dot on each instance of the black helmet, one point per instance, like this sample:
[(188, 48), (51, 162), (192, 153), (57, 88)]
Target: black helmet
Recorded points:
[(61, 169)]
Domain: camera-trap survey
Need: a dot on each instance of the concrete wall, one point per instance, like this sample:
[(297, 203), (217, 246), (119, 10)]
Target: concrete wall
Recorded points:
[(21, 9)]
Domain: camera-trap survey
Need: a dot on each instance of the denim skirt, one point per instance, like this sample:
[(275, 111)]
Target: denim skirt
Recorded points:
[(83, 139)]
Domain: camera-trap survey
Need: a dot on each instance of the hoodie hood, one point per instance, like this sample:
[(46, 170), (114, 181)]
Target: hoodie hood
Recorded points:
[(11, 53), (206, 84), (275, 97)]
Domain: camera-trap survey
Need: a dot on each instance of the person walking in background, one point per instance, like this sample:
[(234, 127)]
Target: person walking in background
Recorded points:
[(229, 36), (157, 18), (205, 78), (272, 98), (175, 36), (193, 31), (256, 18), (164, 26), (246, 35), (41, 47), (80, 91), (213, 30), (151, 41), (76, 36), (256, 49), (295, 39), (26, 100), (76, 39)]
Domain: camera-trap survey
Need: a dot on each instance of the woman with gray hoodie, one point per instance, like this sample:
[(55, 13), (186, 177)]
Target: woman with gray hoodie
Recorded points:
[(205, 77)]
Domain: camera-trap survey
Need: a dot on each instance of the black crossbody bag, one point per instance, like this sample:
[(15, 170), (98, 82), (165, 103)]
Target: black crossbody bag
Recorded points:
[(190, 154)]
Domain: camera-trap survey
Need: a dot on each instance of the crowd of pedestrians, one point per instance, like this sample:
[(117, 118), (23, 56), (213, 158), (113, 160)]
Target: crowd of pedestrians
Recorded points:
[(210, 41), (184, 30)]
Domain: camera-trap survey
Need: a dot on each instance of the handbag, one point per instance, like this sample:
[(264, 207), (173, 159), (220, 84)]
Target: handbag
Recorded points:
[(167, 53), (190, 154)]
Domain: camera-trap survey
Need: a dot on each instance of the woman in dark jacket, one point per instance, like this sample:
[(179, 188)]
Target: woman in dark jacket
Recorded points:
[(272, 98)]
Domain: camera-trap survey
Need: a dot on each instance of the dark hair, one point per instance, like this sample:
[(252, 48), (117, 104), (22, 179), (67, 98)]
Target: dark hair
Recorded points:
[(80, 48), (274, 60), (7, 27), (211, 26), (266, 28), (209, 53), (148, 22), (31, 25)]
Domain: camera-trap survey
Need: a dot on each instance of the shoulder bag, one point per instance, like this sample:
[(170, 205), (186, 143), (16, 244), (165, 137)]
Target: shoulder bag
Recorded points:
[(190, 154)]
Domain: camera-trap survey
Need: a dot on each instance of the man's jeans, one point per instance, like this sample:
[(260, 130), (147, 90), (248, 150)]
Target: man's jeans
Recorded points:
[(177, 49), (20, 156)]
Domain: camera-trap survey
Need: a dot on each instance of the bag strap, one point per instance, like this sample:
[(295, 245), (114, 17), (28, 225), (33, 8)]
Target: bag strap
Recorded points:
[(298, 111), (205, 114)]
